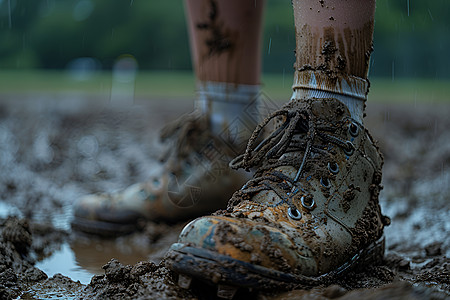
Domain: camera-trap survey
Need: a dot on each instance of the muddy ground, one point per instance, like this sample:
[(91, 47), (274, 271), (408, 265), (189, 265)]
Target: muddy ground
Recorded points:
[(55, 148)]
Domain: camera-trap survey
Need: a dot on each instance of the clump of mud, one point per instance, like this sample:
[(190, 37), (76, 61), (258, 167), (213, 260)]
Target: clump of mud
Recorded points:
[(16, 262), (144, 280), (397, 290), (21, 243)]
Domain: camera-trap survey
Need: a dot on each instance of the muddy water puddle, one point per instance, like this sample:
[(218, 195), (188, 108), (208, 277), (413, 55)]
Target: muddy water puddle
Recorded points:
[(64, 261), (80, 260), (80, 257)]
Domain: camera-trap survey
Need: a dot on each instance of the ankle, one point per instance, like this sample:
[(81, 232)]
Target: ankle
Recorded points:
[(231, 108), (350, 90)]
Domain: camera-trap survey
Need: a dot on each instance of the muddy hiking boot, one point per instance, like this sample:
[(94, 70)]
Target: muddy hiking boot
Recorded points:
[(193, 179), (309, 214)]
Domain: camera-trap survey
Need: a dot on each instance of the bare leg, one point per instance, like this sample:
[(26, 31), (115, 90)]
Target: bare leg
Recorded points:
[(225, 40), (334, 43)]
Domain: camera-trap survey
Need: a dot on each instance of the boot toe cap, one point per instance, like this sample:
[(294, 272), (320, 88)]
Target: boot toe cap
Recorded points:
[(250, 241)]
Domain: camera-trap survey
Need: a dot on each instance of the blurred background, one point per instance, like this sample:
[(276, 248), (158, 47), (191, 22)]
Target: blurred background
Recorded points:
[(50, 45)]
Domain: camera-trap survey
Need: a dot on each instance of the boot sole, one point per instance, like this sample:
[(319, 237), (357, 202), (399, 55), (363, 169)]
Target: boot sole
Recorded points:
[(106, 229), (213, 268)]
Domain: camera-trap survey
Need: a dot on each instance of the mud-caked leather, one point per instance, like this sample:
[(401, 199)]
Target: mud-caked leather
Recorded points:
[(287, 224)]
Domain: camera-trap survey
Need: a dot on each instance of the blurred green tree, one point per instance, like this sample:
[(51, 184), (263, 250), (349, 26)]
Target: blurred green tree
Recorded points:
[(411, 36)]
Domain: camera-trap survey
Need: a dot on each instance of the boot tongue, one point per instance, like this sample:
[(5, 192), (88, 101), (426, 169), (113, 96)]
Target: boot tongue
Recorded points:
[(269, 197)]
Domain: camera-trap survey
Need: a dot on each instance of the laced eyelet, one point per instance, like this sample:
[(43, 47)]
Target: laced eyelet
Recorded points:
[(350, 148), (353, 129), (333, 168), (324, 181), (294, 213), (307, 202)]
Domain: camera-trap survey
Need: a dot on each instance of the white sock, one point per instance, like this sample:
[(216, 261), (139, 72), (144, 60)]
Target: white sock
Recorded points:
[(352, 90), (233, 108)]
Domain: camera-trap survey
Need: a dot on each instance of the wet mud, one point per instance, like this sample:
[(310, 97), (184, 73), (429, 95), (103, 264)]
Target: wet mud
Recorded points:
[(56, 149)]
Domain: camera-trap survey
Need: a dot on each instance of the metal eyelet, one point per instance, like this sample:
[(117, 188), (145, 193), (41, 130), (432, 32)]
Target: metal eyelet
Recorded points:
[(294, 213), (353, 129), (325, 182), (307, 202), (350, 148), (333, 168)]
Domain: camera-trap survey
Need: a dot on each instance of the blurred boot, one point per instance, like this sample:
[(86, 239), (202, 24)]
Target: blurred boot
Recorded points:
[(192, 179)]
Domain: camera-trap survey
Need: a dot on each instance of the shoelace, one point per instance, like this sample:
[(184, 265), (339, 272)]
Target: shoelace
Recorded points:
[(268, 153)]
